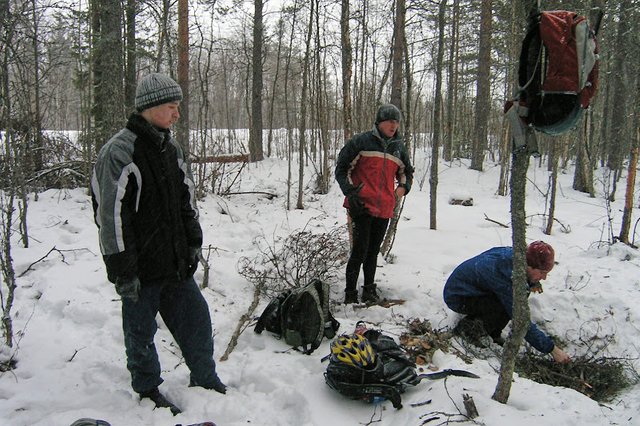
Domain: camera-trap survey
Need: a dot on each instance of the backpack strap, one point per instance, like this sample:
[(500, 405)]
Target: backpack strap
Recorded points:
[(331, 325), (366, 391)]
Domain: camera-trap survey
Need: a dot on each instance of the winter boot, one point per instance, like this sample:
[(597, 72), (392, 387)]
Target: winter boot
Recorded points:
[(350, 296), (160, 401), (216, 385), (369, 294), (473, 331)]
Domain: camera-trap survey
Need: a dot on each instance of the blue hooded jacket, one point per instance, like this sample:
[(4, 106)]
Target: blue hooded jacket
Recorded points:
[(490, 273)]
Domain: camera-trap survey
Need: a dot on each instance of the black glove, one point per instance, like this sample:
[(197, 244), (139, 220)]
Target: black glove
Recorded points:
[(128, 288), (356, 206), (194, 259)]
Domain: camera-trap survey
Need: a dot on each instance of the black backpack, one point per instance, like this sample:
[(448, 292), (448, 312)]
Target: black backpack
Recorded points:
[(392, 373), (301, 316)]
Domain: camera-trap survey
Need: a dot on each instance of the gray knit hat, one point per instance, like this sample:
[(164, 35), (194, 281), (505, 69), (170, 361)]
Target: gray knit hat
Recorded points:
[(388, 112), (156, 89)]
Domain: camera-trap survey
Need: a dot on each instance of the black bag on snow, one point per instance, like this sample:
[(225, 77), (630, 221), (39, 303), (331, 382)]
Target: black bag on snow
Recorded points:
[(301, 316), (389, 377)]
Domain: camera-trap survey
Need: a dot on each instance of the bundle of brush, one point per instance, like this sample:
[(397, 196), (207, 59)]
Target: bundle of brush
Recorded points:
[(601, 379)]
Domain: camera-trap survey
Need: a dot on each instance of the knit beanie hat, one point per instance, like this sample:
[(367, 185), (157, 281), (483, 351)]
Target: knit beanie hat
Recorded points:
[(388, 112), (156, 89), (540, 255)]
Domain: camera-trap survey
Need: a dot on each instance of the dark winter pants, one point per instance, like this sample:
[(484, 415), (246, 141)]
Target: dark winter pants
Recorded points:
[(368, 233), (186, 314), (489, 310)]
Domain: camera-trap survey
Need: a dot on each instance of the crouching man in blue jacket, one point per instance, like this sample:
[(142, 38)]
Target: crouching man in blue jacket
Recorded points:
[(481, 289)]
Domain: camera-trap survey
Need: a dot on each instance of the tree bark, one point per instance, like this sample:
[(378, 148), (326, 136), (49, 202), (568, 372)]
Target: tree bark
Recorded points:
[(483, 88), (628, 200), (130, 69), (255, 137), (437, 113), (553, 159), (183, 77), (347, 71), (397, 54), (108, 106), (303, 106), (520, 320)]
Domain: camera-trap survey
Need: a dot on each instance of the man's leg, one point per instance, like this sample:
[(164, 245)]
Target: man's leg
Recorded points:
[(490, 312), (378, 229), (186, 314), (139, 326), (361, 232)]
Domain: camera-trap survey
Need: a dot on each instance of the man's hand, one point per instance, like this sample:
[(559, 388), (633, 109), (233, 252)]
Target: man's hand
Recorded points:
[(194, 260), (356, 206), (560, 356), (128, 288), (401, 191)]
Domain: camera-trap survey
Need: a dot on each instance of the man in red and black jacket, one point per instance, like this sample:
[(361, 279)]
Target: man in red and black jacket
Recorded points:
[(374, 171)]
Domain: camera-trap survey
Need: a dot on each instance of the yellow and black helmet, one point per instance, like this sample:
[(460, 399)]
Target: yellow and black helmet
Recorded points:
[(354, 350)]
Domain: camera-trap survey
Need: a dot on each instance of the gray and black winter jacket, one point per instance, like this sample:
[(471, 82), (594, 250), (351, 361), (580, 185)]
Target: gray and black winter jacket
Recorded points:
[(144, 205)]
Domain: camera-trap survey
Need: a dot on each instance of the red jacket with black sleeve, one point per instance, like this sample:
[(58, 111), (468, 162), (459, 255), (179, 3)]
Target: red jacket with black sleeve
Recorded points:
[(378, 164)]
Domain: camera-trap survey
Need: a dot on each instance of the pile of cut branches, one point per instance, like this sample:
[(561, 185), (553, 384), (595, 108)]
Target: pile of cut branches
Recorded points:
[(421, 340), (601, 379)]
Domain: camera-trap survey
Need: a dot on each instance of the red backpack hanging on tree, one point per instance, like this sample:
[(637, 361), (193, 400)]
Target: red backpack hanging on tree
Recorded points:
[(557, 75)]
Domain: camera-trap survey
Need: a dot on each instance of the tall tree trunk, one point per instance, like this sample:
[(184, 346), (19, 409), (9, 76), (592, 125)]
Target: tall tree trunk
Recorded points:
[(347, 71), (130, 69), (36, 153), (437, 114), (7, 168), (321, 112), (289, 120), (303, 106), (520, 320), (616, 138), (628, 199), (183, 134), (483, 88), (398, 50), (255, 137), (108, 107), (447, 152), (274, 87), (510, 85), (583, 173)]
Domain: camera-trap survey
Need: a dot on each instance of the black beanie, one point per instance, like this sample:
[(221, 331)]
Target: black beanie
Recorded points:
[(388, 112), (156, 89)]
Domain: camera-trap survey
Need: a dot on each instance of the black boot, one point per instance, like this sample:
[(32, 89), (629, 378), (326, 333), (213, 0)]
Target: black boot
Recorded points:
[(160, 401), (472, 330), (369, 294), (350, 296), (216, 385)]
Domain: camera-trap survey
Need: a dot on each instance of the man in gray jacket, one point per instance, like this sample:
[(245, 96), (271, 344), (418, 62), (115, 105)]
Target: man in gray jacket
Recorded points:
[(150, 239)]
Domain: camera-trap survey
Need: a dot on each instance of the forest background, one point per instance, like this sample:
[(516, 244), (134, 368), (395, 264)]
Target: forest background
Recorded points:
[(295, 79)]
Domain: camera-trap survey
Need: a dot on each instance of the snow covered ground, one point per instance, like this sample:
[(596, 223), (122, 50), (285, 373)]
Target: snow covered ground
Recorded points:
[(69, 345)]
